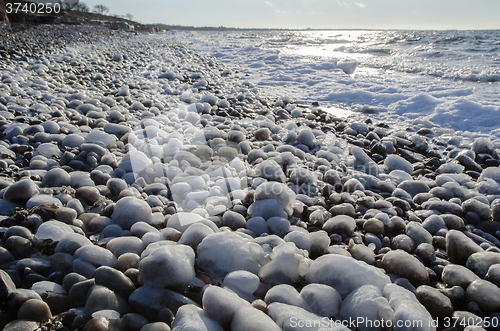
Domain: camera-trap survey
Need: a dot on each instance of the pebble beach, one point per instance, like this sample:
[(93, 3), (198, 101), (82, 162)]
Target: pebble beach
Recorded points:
[(145, 186)]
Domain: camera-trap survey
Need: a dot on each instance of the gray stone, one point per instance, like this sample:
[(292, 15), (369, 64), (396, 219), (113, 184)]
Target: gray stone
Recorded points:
[(6, 285), (419, 234), (457, 275), (21, 191), (233, 220), (459, 247), (443, 207), (434, 301), (495, 209), (101, 298), (485, 294), (404, 242), (114, 280), (493, 274), (340, 224), (481, 209), (480, 262), (130, 210), (56, 177), (22, 325), (34, 310), (405, 265)]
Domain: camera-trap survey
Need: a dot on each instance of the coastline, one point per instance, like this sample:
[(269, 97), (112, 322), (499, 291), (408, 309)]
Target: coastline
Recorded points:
[(134, 168)]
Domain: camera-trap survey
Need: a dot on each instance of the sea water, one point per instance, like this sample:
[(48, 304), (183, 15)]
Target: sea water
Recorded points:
[(448, 79)]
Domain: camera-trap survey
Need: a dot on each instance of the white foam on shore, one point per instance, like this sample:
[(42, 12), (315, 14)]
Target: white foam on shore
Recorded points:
[(403, 78)]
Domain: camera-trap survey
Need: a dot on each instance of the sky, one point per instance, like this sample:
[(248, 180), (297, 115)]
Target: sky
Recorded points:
[(315, 14)]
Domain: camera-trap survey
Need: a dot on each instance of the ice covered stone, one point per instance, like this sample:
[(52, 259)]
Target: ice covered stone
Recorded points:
[(122, 245), (301, 176), (70, 242), (396, 162), (266, 209), (223, 252), (288, 264), (344, 273), (130, 210), (100, 137), (278, 191), (73, 140), (54, 230), (182, 220), (482, 145), (407, 309), (363, 163), (190, 317), (150, 300), (414, 187), (90, 257), (286, 294), (170, 266), (221, 304), (300, 239), (324, 300), (348, 67), (43, 199), (243, 283), (251, 319), (48, 150), (291, 318), (195, 234), (368, 306), (270, 170), (490, 173)]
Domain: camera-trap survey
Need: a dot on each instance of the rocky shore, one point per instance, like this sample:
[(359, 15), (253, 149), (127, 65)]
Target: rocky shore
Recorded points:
[(147, 187)]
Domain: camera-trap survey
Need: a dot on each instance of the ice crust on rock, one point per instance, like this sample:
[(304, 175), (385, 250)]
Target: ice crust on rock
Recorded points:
[(344, 274)]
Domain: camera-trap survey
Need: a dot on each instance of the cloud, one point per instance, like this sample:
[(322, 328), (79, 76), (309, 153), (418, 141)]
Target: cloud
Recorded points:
[(268, 3), (342, 3), (360, 5)]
